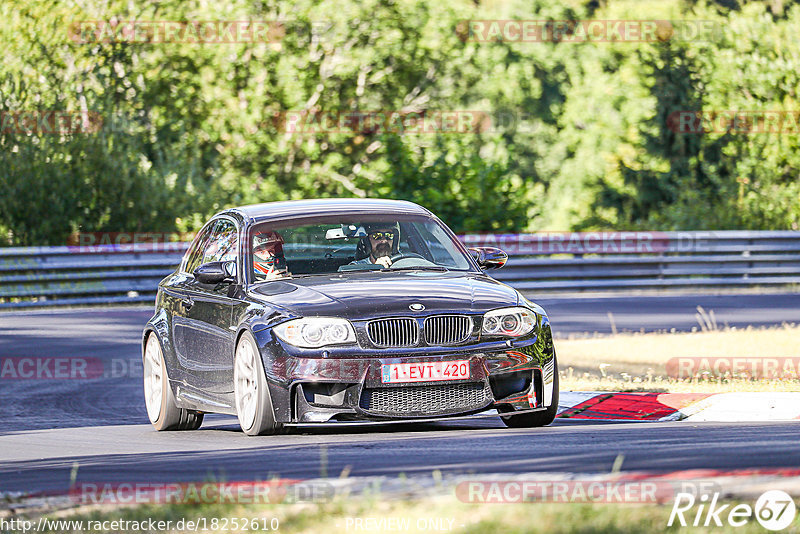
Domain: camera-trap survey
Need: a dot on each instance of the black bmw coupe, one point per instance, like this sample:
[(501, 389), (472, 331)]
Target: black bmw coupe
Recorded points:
[(335, 311)]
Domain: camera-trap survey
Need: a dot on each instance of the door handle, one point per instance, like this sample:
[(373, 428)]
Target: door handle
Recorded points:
[(187, 303)]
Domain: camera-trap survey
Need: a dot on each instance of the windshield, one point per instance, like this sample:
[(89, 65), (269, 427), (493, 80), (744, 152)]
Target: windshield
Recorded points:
[(336, 245)]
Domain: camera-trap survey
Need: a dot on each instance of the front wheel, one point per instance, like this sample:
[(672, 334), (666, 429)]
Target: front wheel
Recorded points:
[(253, 402), (158, 397), (534, 419)]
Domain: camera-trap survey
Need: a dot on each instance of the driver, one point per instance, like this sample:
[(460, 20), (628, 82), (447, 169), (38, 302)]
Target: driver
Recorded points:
[(379, 245), (269, 262)]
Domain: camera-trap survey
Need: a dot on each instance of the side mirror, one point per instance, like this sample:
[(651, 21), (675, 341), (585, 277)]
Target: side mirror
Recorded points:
[(489, 257), (215, 272)]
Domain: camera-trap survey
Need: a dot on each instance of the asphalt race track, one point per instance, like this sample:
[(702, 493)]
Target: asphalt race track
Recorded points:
[(50, 426), (43, 460)]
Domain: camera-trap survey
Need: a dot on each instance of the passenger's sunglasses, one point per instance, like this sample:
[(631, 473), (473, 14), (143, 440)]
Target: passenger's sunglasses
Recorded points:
[(381, 235)]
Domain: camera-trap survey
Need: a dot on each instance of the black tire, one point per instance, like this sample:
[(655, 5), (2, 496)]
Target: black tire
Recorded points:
[(166, 415), (250, 378), (534, 419)]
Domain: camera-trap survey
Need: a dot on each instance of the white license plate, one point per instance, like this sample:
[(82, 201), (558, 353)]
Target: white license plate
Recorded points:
[(424, 371)]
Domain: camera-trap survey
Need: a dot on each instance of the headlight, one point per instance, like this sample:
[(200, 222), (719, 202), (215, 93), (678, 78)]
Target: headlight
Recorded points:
[(313, 332), (508, 322)]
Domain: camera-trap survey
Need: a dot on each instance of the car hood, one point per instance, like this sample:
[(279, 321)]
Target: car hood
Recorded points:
[(367, 295)]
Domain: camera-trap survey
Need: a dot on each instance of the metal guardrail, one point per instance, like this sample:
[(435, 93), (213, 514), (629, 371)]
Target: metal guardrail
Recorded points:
[(592, 261), (72, 275)]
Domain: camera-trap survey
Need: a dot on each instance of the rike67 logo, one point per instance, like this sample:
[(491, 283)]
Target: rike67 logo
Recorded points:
[(774, 510)]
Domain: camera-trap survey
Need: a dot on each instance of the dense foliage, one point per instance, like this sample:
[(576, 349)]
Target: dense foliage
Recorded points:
[(579, 136)]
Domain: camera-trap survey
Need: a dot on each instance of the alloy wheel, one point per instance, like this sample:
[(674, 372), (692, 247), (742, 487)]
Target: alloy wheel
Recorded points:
[(153, 378), (246, 383)]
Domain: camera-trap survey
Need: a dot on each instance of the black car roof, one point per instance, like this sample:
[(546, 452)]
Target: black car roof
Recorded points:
[(327, 206)]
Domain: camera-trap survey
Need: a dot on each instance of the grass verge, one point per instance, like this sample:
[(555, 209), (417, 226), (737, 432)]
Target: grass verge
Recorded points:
[(437, 514), (638, 362)]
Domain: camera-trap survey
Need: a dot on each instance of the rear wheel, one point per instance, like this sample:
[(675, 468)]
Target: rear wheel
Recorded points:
[(158, 397), (253, 402), (534, 419)]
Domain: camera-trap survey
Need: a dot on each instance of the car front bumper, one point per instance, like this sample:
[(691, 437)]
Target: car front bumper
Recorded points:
[(345, 385)]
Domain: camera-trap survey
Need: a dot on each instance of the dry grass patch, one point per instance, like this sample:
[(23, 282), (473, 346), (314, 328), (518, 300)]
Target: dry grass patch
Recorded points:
[(443, 513), (638, 362)]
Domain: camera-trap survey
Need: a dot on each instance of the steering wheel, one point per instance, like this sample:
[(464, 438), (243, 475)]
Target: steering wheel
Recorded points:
[(404, 255)]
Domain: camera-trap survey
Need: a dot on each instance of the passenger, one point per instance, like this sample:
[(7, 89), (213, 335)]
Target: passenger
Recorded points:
[(269, 262)]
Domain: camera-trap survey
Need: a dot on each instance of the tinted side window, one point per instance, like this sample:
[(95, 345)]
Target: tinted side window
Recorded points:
[(195, 252), (222, 245)]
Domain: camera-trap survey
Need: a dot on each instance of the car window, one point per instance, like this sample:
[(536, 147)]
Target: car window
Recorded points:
[(335, 245), (194, 255), (310, 242), (222, 244), (439, 245)]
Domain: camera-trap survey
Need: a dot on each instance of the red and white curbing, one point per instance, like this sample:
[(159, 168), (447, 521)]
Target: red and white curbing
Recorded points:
[(714, 407)]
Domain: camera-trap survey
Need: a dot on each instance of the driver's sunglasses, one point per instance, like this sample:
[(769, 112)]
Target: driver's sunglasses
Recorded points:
[(382, 235)]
